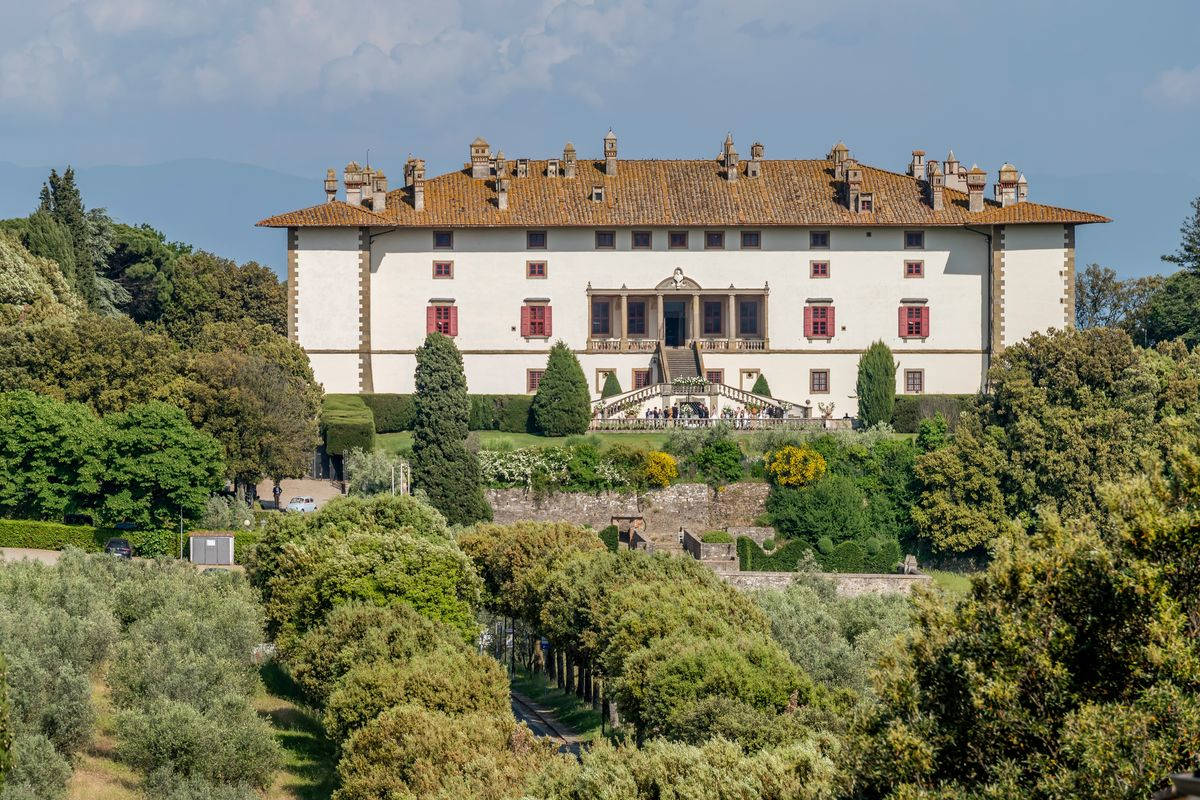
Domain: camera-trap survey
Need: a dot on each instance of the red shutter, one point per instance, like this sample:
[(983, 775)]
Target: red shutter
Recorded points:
[(549, 321), (525, 321), (430, 319), (831, 329), (924, 321), (454, 320), (903, 323), (808, 332)]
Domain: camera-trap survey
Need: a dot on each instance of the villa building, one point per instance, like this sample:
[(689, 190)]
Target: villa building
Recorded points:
[(716, 269)]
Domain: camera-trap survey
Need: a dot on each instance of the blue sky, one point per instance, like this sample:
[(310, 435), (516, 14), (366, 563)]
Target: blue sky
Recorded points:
[(1098, 103)]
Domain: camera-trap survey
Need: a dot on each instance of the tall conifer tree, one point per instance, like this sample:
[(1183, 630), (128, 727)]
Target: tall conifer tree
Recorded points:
[(876, 385), (562, 406)]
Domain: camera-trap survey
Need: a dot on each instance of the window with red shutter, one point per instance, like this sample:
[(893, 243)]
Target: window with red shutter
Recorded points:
[(914, 322), (549, 321), (924, 321), (443, 319), (525, 321), (808, 322), (430, 319), (818, 322)]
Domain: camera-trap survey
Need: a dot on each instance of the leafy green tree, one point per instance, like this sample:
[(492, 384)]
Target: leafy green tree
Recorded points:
[(932, 433), (761, 387), (719, 462), (1102, 300), (833, 506), (1188, 254), (1173, 312), (876, 386), (157, 466), (143, 262), (206, 288), (374, 472), (562, 405), (612, 386), (32, 288), (443, 467), (46, 237)]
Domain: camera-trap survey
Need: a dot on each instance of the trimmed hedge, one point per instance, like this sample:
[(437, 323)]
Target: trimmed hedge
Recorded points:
[(43, 535), (489, 412), (875, 556), (346, 423), (910, 409), (393, 412), (783, 559), (611, 537)]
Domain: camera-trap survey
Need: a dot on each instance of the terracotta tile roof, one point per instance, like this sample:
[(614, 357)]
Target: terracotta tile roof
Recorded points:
[(662, 193)]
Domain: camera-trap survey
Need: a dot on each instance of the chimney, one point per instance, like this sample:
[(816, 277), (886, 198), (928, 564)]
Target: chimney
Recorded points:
[(937, 187), (480, 157), (552, 168), (754, 165), (379, 193), (419, 193), (569, 161), (730, 159), (353, 179), (1022, 189), (502, 193), (854, 178), (610, 153), (330, 185), (1006, 187), (916, 167), (976, 180), (839, 155), (956, 177), (522, 167), (501, 165)]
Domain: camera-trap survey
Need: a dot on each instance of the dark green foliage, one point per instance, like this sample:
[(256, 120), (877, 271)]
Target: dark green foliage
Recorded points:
[(515, 415), (1173, 311), (562, 405), (443, 467), (612, 386), (876, 385), (346, 423), (932, 433), (5, 730), (392, 412), (882, 556), (611, 537), (719, 462), (824, 545), (143, 262), (209, 289), (845, 557), (833, 507), (911, 409), (54, 535), (761, 387), (45, 236), (61, 199), (783, 559), (1188, 254), (716, 537)]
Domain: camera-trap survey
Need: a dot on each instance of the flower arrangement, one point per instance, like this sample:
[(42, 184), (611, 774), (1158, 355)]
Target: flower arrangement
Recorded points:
[(689, 383)]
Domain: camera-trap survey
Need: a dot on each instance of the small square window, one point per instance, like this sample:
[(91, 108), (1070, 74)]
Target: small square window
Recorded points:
[(535, 240), (443, 240), (443, 269), (818, 240), (914, 269), (641, 240), (751, 240), (818, 269), (533, 377), (818, 381), (866, 202), (641, 378), (606, 240), (715, 376), (535, 269), (598, 194), (677, 240), (914, 240), (914, 381), (714, 240)]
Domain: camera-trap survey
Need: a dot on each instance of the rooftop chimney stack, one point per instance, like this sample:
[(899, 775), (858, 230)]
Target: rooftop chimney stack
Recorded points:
[(330, 185), (916, 167), (610, 154), (353, 179), (730, 159), (419, 193), (569, 161), (502, 194), (976, 180), (481, 156), (501, 165), (1006, 187), (754, 165), (839, 155), (522, 167), (854, 179), (937, 187), (552, 168), (1022, 189), (379, 192), (956, 176)]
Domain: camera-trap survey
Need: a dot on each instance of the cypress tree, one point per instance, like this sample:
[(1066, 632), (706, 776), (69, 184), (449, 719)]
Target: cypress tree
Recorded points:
[(761, 387), (562, 406), (443, 467), (612, 386), (61, 198), (876, 385)]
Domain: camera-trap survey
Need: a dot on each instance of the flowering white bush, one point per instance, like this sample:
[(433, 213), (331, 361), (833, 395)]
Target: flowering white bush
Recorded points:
[(518, 467)]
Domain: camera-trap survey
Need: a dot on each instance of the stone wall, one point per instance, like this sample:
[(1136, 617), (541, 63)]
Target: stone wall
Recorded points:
[(757, 533), (691, 505), (708, 551), (847, 584)]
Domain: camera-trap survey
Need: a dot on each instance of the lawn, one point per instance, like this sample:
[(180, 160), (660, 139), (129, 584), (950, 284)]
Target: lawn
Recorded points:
[(573, 713), (308, 757), (955, 584), (491, 440)]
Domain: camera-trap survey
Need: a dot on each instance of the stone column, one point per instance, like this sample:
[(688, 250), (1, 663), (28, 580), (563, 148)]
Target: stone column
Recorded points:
[(764, 320), (730, 326), (696, 324), (620, 323), (661, 332)]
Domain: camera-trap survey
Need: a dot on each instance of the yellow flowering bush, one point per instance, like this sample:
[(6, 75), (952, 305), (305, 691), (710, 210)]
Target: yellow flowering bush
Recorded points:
[(794, 466), (660, 469)]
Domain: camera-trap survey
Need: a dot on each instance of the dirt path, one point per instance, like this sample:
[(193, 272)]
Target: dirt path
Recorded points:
[(542, 722)]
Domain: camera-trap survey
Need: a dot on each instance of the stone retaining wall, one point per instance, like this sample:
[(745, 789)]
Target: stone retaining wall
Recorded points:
[(847, 584), (691, 505)]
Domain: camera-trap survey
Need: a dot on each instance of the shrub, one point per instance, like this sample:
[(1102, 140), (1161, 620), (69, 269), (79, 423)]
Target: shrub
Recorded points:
[(876, 386), (392, 412), (911, 409), (845, 557), (347, 422), (720, 462), (371, 472), (794, 466), (39, 772), (226, 513), (885, 557), (833, 506), (785, 558), (768, 544), (53, 535), (611, 537), (659, 469), (825, 545), (562, 405), (612, 386), (760, 386), (514, 414), (716, 537)]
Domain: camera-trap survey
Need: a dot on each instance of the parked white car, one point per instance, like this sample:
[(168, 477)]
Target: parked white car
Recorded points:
[(302, 504)]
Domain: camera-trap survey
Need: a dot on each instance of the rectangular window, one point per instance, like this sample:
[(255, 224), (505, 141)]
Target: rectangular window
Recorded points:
[(866, 202), (533, 377), (443, 269), (914, 322), (914, 381), (641, 378), (601, 320), (677, 240), (914, 269), (535, 240), (443, 240), (818, 269), (748, 318), (716, 376), (818, 240), (751, 240), (820, 322), (641, 240), (537, 321), (606, 240), (914, 240), (818, 381), (443, 320), (636, 314), (712, 316), (714, 240), (535, 269)]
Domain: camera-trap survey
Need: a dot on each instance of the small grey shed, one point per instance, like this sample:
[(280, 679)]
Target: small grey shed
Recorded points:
[(211, 547)]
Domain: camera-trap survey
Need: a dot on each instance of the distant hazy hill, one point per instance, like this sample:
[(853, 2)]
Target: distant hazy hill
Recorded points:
[(214, 204)]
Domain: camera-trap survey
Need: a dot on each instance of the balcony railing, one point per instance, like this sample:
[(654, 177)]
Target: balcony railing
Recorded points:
[(744, 424), (643, 345)]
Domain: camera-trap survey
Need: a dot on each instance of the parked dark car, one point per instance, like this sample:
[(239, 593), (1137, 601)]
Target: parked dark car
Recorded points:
[(119, 548)]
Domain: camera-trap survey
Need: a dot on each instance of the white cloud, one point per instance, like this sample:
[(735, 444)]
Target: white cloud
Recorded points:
[(1176, 87)]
